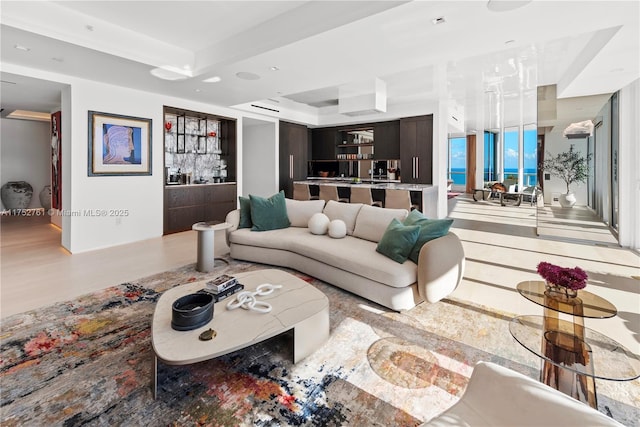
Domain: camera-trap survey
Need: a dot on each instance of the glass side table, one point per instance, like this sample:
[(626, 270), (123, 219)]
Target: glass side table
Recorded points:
[(567, 348)]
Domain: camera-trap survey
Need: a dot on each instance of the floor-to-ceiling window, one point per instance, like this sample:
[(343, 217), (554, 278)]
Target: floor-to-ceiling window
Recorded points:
[(457, 167), (490, 159), (510, 153), (530, 154)]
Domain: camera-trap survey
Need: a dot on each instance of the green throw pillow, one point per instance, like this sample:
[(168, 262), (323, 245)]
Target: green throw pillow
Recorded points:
[(245, 213), (269, 214), (398, 240), (414, 217), (429, 229)]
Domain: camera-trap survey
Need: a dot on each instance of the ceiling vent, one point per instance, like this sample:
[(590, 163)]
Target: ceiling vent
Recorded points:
[(579, 130), (360, 98)]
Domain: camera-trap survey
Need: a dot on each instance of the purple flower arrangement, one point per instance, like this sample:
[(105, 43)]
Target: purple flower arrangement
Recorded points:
[(571, 278)]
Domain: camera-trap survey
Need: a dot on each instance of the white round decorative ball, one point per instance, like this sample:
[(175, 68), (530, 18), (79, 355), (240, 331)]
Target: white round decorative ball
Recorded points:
[(337, 229), (318, 223)]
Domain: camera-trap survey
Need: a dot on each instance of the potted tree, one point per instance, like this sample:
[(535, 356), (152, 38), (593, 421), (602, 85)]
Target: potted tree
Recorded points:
[(570, 166)]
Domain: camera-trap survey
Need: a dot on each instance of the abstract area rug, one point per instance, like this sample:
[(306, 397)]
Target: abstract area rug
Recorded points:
[(89, 362)]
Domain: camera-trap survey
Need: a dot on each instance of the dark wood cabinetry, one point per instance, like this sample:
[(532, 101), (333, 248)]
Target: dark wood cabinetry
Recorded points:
[(184, 205), (293, 155), (323, 143), (200, 146), (416, 149), (386, 140)]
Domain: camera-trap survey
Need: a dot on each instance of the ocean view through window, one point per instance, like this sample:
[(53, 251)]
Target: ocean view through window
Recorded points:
[(457, 165), (458, 160)]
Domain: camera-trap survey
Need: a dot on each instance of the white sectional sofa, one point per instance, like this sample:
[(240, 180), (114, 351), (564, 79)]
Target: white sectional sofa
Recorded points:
[(352, 262)]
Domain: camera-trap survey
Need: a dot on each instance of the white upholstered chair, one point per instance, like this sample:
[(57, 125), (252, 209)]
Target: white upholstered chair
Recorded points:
[(362, 195), (397, 199), (330, 192), (302, 192), (498, 396)]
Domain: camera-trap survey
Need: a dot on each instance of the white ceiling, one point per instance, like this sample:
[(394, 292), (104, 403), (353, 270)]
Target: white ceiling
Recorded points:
[(484, 65)]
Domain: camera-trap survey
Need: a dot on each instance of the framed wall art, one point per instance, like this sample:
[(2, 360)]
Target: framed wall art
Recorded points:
[(56, 160), (119, 145)]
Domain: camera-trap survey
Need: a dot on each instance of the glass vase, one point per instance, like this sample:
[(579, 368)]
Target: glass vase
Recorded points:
[(554, 290)]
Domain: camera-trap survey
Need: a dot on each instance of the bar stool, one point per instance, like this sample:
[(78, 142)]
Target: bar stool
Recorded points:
[(397, 199), (362, 195), (302, 192), (330, 192)]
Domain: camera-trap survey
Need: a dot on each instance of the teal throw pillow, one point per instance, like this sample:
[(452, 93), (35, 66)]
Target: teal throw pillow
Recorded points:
[(269, 214), (414, 217), (398, 240), (429, 229), (245, 213)]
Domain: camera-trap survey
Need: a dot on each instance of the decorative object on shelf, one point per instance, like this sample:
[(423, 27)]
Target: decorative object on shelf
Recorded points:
[(45, 197), (212, 134), (248, 300), (562, 280), (16, 194), (119, 145), (168, 126), (570, 166)]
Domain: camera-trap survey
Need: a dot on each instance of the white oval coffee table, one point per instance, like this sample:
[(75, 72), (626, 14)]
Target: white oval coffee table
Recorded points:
[(296, 306)]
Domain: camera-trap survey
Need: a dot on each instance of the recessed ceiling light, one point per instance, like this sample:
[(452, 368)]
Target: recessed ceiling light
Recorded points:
[(57, 59), (29, 115), (197, 90), (274, 68), (169, 72), (20, 47), (214, 79), (438, 20), (509, 41), (89, 27), (245, 75)]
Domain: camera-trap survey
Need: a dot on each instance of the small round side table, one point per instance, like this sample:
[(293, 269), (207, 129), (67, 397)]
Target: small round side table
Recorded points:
[(206, 257)]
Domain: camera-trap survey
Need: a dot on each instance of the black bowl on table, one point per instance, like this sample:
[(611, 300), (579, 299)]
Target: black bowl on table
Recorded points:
[(192, 311)]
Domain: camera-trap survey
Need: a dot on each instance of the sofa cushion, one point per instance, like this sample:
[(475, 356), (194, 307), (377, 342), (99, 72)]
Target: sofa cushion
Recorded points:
[(273, 239), (398, 240), (319, 223), (268, 214), (372, 222), (301, 211), (346, 212), (245, 213), (354, 255), (337, 229), (429, 229)]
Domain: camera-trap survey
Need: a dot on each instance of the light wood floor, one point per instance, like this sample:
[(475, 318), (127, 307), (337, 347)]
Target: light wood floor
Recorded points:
[(577, 223), (500, 244), (37, 271)]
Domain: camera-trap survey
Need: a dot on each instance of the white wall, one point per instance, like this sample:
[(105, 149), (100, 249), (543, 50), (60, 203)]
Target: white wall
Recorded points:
[(555, 143), (259, 176), (140, 196), (25, 154), (629, 155)]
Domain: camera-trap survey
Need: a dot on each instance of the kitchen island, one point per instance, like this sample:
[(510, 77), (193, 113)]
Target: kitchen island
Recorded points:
[(424, 195)]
